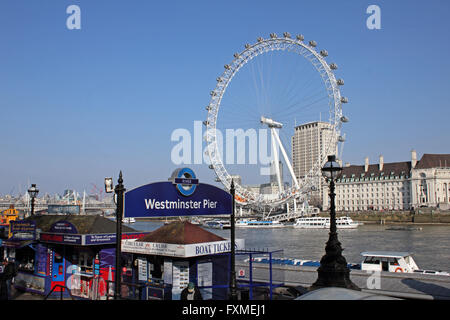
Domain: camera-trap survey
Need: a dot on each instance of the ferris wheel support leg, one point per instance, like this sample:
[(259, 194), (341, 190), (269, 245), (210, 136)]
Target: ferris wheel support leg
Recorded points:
[(283, 152), (275, 155)]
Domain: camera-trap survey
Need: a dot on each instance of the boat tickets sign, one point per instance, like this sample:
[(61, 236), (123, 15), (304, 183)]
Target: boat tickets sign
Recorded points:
[(182, 195), (180, 250)]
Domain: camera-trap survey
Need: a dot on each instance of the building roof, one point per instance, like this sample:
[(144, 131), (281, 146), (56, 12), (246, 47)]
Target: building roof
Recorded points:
[(315, 123), (392, 168), (433, 161), (85, 224), (181, 232), (388, 254)]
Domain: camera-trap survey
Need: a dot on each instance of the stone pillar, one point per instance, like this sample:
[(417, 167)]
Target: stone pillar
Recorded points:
[(413, 158)]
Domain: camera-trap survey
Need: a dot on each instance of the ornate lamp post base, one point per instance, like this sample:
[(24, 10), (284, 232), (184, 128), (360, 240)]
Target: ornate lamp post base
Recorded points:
[(233, 286), (333, 270)]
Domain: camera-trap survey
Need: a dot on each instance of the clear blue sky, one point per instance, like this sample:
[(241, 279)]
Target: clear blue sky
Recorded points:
[(79, 105)]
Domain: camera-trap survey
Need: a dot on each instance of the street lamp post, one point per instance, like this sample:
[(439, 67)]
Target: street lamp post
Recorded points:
[(333, 270), (33, 191), (119, 190), (233, 291)]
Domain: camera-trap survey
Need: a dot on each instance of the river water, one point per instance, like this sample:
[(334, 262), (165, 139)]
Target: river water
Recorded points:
[(430, 246)]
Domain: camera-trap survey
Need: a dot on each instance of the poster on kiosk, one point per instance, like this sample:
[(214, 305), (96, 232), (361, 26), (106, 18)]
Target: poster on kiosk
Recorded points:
[(182, 195)]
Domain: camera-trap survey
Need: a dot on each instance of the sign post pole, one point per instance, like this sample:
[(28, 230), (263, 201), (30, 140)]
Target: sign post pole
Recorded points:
[(233, 293), (119, 190)]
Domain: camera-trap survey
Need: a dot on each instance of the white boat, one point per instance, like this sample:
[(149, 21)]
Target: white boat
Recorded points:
[(258, 224), (393, 262), (388, 261), (324, 223), (217, 224), (124, 220), (128, 220), (195, 221)]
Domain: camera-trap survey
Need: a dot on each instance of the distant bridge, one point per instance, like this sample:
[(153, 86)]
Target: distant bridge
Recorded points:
[(42, 207)]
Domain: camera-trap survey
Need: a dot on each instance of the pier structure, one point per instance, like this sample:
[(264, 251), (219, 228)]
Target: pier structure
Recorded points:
[(390, 284)]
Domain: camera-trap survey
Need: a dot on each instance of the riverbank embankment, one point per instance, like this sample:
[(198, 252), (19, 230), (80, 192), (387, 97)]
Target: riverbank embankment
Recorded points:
[(421, 216)]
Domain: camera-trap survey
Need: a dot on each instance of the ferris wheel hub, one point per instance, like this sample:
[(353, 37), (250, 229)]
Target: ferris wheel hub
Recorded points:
[(271, 123)]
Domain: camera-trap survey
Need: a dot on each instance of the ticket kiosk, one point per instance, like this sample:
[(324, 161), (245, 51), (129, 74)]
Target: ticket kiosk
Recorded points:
[(67, 252), (167, 259)]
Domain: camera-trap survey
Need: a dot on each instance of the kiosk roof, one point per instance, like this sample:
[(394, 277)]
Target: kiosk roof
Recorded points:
[(85, 224), (181, 232)]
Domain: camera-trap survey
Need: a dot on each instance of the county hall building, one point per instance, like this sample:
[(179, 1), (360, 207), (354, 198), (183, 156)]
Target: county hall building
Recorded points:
[(394, 186)]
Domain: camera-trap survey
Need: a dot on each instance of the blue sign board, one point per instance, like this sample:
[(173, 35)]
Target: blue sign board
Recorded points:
[(63, 208), (22, 230), (100, 238), (63, 227), (109, 238), (183, 196)]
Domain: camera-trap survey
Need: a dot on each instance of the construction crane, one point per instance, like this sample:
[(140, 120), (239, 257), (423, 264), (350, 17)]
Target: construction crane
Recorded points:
[(97, 191)]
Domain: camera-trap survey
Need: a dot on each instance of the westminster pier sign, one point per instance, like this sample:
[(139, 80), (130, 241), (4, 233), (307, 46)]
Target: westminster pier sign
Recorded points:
[(182, 195)]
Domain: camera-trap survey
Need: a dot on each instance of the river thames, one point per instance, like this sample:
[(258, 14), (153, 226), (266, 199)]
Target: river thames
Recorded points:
[(430, 246)]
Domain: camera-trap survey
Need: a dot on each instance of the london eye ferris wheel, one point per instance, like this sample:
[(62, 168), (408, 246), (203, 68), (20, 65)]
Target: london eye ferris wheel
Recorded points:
[(279, 84)]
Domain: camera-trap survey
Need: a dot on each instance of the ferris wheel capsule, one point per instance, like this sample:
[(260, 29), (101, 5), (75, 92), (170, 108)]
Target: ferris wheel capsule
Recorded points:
[(227, 66), (260, 39), (273, 35), (324, 53), (247, 46), (340, 82), (219, 79), (236, 55), (208, 108), (212, 93), (300, 37), (344, 100), (344, 119), (312, 43), (333, 66), (287, 35), (341, 139)]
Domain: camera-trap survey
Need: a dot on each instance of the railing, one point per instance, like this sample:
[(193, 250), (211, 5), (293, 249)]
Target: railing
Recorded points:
[(286, 216), (61, 291), (40, 206), (128, 291)]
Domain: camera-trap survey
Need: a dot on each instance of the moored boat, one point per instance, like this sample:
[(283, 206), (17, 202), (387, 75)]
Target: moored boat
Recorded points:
[(245, 223), (128, 220), (399, 262), (217, 224), (393, 262), (324, 223)]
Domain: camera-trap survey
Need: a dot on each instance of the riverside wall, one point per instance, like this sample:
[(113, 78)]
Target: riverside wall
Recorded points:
[(418, 216)]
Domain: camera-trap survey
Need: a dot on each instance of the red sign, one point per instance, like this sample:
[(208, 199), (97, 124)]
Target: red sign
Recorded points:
[(51, 237)]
